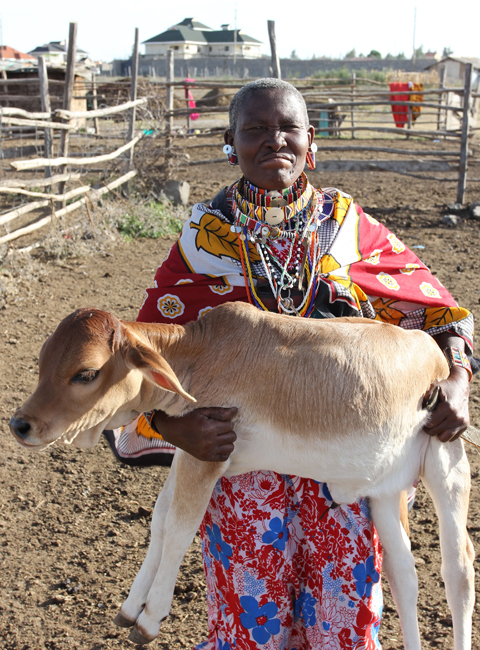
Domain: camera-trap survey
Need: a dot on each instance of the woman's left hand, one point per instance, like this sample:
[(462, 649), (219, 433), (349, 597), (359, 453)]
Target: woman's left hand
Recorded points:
[(451, 417)]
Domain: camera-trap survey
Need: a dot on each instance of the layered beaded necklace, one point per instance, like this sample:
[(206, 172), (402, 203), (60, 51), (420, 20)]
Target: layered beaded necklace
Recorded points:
[(283, 226)]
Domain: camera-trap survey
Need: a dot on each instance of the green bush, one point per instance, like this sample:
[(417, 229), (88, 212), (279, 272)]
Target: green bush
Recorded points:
[(151, 220)]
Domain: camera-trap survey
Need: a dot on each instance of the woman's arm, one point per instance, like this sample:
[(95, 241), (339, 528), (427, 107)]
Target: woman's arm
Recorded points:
[(206, 433), (451, 417)]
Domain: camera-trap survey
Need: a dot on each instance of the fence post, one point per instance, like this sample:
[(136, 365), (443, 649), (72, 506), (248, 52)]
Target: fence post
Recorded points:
[(46, 108), (5, 87), (354, 84), (409, 120), (170, 78), (462, 166), (96, 122), (440, 101), (133, 97), (276, 71), (67, 95)]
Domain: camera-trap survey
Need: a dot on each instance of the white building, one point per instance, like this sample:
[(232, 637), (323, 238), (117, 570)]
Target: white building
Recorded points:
[(56, 52), (191, 38)]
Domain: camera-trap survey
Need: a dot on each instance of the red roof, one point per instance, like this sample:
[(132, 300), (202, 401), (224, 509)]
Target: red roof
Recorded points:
[(7, 52)]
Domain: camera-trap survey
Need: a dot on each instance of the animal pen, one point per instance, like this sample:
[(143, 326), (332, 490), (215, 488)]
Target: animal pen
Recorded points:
[(88, 153)]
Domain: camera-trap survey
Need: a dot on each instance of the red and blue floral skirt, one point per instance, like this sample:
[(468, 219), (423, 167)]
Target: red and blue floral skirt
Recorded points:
[(288, 569)]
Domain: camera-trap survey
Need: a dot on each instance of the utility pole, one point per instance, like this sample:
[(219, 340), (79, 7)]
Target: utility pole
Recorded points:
[(414, 30)]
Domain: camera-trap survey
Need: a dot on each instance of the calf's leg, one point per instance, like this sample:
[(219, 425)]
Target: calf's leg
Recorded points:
[(194, 484), (447, 479), (399, 565), (137, 597)]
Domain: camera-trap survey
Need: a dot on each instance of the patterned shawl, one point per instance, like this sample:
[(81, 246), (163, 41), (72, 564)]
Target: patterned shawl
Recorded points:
[(365, 269)]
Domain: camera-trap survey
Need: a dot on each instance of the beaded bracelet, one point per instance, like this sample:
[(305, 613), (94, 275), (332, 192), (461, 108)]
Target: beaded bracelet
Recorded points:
[(455, 357)]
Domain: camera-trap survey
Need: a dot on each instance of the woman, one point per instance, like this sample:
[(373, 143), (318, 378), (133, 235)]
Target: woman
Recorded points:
[(285, 566)]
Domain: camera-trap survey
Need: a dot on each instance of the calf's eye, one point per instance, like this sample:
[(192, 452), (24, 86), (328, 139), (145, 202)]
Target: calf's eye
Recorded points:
[(85, 376)]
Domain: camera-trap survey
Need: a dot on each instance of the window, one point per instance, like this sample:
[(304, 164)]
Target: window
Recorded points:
[(175, 47), (210, 49), (226, 48), (187, 47)]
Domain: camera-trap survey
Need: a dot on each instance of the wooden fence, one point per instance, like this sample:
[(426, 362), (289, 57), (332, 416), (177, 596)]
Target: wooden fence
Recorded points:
[(337, 109), (64, 167), (355, 109)]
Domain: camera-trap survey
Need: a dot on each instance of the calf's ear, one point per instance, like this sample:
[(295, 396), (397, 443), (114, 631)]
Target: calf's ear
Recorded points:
[(153, 366)]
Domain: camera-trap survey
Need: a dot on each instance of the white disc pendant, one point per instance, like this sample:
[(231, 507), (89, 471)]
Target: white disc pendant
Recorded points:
[(278, 203), (274, 216)]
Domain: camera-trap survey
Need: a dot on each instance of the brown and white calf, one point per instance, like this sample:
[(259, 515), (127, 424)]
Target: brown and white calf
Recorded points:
[(335, 400)]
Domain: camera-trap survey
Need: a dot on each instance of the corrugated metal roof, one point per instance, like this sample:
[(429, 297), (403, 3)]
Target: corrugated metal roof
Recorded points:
[(7, 52), (193, 24), (461, 59), (179, 35), (228, 36)]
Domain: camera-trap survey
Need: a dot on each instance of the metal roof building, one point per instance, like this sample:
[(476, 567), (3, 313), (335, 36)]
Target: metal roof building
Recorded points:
[(190, 38)]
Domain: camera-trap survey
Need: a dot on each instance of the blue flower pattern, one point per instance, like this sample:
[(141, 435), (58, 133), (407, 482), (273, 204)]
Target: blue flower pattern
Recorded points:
[(277, 536), (329, 584), (365, 576), (217, 547), (223, 645), (259, 619), (253, 587), (305, 608)]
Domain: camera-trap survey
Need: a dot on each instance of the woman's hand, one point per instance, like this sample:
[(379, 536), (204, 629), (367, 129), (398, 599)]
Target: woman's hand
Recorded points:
[(451, 417), (206, 433)]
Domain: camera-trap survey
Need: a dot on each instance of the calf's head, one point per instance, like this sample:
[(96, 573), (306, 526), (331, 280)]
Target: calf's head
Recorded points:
[(95, 373)]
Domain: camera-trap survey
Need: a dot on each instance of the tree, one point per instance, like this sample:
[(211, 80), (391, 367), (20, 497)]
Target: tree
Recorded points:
[(447, 51), (401, 55), (419, 53), (351, 54), (294, 55), (374, 54)]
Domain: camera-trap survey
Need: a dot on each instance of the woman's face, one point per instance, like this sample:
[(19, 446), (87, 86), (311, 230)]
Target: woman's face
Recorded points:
[(271, 139)]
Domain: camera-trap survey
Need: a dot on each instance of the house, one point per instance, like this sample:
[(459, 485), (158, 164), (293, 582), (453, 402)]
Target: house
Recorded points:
[(454, 67), (56, 52), (191, 38), (10, 54)]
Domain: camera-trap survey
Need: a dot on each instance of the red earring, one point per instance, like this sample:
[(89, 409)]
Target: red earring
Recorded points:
[(311, 156), (231, 155)]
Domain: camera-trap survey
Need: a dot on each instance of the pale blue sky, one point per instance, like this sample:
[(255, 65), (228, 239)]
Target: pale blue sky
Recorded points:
[(106, 29)]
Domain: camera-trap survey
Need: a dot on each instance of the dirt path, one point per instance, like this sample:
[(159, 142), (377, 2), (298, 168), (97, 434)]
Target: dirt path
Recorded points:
[(74, 524)]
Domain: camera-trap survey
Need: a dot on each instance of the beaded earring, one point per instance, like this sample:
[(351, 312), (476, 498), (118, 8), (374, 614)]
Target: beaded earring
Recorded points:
[(231, 155), (311, 156)]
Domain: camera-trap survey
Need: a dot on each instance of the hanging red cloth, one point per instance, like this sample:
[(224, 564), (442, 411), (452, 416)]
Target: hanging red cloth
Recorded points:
[(400, 111), (190, 100)]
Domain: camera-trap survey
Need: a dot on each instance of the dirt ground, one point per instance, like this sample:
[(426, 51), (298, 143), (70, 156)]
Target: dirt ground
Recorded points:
[(74, 525)]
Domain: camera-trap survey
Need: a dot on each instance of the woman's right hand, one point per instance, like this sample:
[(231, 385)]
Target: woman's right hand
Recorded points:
[(206, 433)]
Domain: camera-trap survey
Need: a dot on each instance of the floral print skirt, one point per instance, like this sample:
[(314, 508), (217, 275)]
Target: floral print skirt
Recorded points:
[(288, 569)]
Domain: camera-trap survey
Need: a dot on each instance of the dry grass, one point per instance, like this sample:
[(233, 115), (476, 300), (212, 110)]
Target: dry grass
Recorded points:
[(114, 219)]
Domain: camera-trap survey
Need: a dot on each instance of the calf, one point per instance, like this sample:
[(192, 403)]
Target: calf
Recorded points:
[(337, 400)]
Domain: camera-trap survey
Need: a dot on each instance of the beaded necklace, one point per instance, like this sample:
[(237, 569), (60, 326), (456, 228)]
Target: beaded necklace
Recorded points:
[(285, 264)]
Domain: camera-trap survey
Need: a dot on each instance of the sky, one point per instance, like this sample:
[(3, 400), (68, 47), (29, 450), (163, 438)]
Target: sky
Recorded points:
[(106, 29)]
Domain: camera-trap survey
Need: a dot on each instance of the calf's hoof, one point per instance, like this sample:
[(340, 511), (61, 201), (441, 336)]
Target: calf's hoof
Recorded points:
[(137, 637), (122, 621)]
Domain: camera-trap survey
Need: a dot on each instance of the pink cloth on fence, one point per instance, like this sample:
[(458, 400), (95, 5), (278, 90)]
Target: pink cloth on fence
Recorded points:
[(190, 100)]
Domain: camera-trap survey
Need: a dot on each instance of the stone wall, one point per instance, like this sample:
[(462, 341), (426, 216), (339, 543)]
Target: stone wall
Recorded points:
[(252, 68)]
